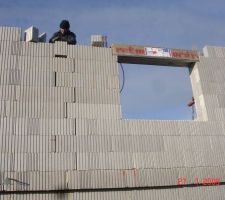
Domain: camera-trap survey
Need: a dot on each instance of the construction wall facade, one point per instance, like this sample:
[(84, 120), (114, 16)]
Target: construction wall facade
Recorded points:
[(62, 135)]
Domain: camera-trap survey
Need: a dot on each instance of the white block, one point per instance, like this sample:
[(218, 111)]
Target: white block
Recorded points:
[(31, 34)]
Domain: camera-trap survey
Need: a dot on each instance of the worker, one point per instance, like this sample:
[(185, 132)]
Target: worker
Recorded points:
[(64, 34), (192, 104)]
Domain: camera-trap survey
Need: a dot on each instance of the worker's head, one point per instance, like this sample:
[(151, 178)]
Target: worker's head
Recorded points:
[(64, 26)]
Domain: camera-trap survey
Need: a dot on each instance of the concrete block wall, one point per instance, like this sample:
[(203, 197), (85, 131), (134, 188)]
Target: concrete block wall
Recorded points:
[(208, 82), (61, 126), (45, 88)]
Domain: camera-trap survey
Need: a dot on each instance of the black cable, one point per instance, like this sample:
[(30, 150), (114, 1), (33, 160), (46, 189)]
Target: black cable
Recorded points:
[(8, 180), (123, 82)]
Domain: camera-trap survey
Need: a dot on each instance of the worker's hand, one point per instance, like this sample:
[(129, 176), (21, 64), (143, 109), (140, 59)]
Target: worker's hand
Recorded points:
[(55, 39)]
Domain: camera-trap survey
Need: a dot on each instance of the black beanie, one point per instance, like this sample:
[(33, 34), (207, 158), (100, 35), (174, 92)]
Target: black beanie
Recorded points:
[(65, 24)]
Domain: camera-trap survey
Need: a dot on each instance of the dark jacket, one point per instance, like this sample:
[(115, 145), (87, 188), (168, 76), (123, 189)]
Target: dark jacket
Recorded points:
[(68, 37)]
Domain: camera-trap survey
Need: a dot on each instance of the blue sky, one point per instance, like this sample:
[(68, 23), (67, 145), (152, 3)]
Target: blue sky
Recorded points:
[(150, 92)]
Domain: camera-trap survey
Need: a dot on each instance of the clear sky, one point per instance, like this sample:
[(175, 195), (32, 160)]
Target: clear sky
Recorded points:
[(150, 92)]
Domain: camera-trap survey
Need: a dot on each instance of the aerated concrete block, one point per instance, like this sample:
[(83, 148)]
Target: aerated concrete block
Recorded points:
[(60, 49), (36, 50), (10, 33), (93, 111)]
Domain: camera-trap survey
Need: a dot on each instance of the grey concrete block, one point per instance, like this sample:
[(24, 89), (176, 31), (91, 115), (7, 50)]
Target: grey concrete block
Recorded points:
[(62, 64), (83, 127), (198, 175), (212, 51), (93, 111), (57, 162), (96, 67), (72, 51), (7, 126), (26, 144), (216, 114), (220, 77), (9, 48), (89, 53), (113, 82), (25, 162), (206, 158), (80, 52), (10, 77), (157, 177), (97, 179), (8, 62), (37, 78), (35, 109), (2, 108), (209, 51), (60, 49), (7, 92), (138, 143), (67, 80), (36, 49), (187, 143), (104, 161), (7, 162), (221, 99), (220, 52), (158, 160), (26, 126), (127, 127), (90, 144), (32, 126), (31, 34), (47, 181), (104, 54), (45, 94), (201, 108), (97, 96), (10, 33), (66, 144), (217, 143), (46, 64), (88, 81), (82, 161), (203, 193), (212, 88), (58, 126), (194, 159)]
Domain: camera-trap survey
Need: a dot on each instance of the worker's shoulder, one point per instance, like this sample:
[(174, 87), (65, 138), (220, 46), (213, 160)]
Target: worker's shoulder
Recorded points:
[(72, 33), (57, 33)]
